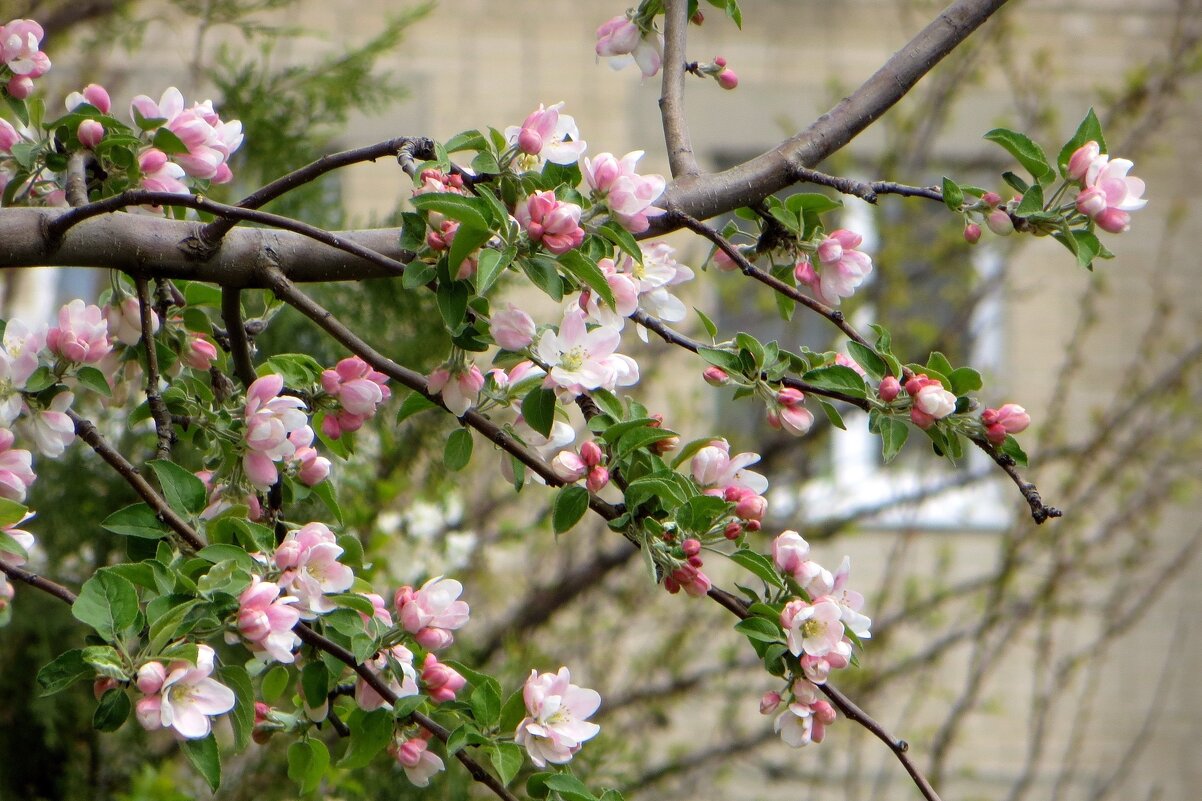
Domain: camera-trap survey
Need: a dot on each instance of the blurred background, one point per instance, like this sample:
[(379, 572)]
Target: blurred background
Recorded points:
[(1019, 661)]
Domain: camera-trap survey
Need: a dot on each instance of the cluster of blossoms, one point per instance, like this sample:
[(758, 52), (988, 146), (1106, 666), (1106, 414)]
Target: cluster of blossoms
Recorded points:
[(359, 391), (21, 57), (182, 695), (818, 631), (547, 135), (571, 466), (629, 195), (277, 430), (209, 140), (623, 43), (840, 269)]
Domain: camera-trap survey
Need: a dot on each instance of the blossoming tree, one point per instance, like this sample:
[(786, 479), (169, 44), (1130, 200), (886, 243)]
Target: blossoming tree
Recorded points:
[(229, 591)]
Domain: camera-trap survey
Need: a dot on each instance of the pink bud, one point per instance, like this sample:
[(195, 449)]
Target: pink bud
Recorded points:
[(991, 199), (598, 477), (715, 376), (151, 677), (889, 389), (530, 142), (90, 133), (999, 222), (972, 233), (1078, 163), (98, 96), (769, 703), (691, 547), (732, 531), (719, 61), (789, 397), (590, 452), (728, 79), (20, 87), (695, 561), (752, 507)]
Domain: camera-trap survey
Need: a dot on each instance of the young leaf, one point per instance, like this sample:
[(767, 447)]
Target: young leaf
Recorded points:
[(538, 409), (370, 733), (458, 450), (66, 669), (107, 603), (204, 756), (569, 506), (469, 211), (492, 264), (1090, 129), (1026, 152), (894, 434), (184, 492), (953, 196), (837, 378)]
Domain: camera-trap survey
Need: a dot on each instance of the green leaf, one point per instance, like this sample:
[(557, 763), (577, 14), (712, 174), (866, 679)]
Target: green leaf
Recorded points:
[(832, 414), (538, 409), (452, 302), (569, 787), (1016, 183), (641, 437), (66, 669), (307, 763), (107, 603), (1090, 129), (94, 380), (458, 450), (722, 358), (571, 502), (506, 759), (242, 716), (298, 369), (953, 196), (964, 380), (492, 263), (543, 272), (166, 141), (1015, 451), (417, 274), (184, 492), (623, 239), (894, 434), (274, 682), (867, 358), (1028, 154), (204, 756), (759, 565), (469, 211), (136, 520), (370, 734), (512, 712), (414, 403), (485, 701), (1032, 202), (467, 239), (699, 513), (837, 378), (644, 489), (111, 712), (707, 323), (586, 271), (163, 628), (759, 629)]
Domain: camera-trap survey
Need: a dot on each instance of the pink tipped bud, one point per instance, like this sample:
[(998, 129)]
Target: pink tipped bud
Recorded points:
[(753, 525), (530, 142), (98, 96), (790, 397), (752, 508), (972, 233), (732, 531), (691, 547), (590, 453), (20, 87), (598, 477), (769, 703), (715, 376), (728, 79), (1078, 163), (991, 199), (719, 61), (671, 585), (90, 133), (151, 677), (999, 222), (890, 388), (696, 561)]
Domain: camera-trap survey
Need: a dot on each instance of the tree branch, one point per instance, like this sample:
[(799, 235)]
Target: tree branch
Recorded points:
[(158, 410), (671, 102), (750, 182), (231, 315), (34, 580)]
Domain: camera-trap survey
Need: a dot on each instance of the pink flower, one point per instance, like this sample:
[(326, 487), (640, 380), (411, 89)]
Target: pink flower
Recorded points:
[(16, 473), (889, 389), (842, 268), (1010, 419), (714, 468), (850, 602), (1109, 194), (622, 42), (266, 619), (308, 558), (628, 194), (814, 629), (198, 352), (209, 140), (458, 390), (512, 328), (442, 681), (19, 48), (581, 359), (93, 94), (1082, 158), (556, 725), (22, 538), (931, 401), (728, 79), (8, 136), (159, 174), (789, 552), (270, 418), (789, 414), (81, 335), (397, 659), (769, 703), (50, 429), (19, 87), (419, 762), (432, 612), (187, 698), (125, 321), (547, 134), (358, 387), (553, 223)]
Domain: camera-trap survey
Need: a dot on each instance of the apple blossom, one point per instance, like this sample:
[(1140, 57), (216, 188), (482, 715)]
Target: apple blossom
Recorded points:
[(547, 134), (1109, 194), (270, 418), (812, 628), (1009, 419), (556, 724), (1000, 222), (432, 612), (387, 663), (81, 335), (20, 41), (850, 602), (198, 352), (125, 321), (553, 223), (581, 359), (209, 140), (889, 389), (51, 428), (841, 268), (714, 468), (728, 78), (16, 474), (418, 761), (972, 233), (266, 618), (512, 328), (622, 42), (94, 94), (628, 195), (187, 698), (442, 682), (8, 136), (458, 389), (308, 558), (789, 552), (159, 174)]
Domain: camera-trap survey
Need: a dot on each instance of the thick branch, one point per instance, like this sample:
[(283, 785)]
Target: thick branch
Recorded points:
[(750, 182), (671, 101), (34, 580)]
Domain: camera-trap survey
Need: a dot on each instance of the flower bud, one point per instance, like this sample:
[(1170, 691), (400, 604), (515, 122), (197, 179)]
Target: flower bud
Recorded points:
[(728, 79), (890, 388), (151, 677), (590, 453), (89, 133), (972, 233), (598, 477), (98, 96), (715, 376), (769, 703), (732, 531), (691, 547), (719, 61), (991, 199), (20, 87), (999, 222), (1078, 163), (102, 685)]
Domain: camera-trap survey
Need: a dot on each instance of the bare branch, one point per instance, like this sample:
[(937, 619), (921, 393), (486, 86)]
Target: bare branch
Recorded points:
[(681, 159), (34, 580), (158, 410)]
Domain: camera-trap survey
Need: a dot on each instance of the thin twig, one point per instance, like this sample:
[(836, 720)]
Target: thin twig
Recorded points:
[(158, 410), (34, 580), (231, 315), (681, 159), (88, 432), (77, 178), (867, 191)]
